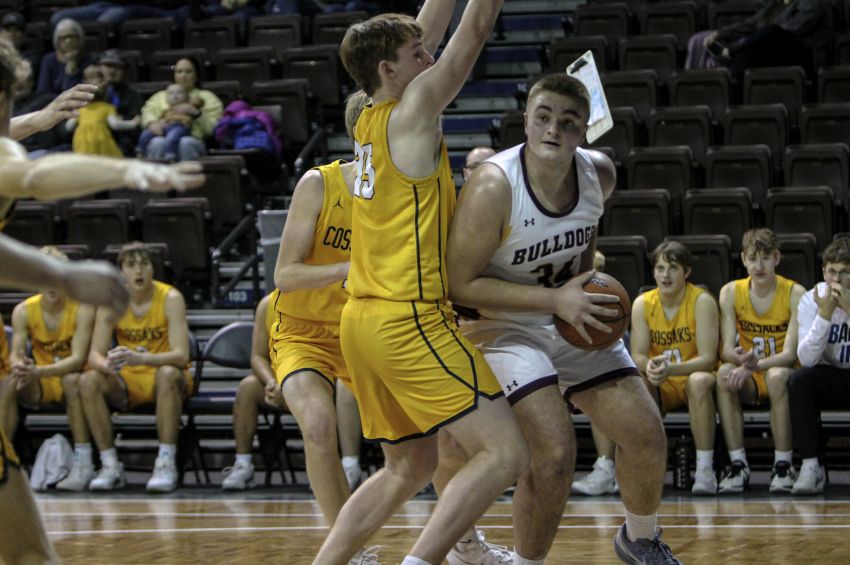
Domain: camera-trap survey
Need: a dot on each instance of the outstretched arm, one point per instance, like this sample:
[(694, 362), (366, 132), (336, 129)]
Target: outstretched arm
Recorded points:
[(63, 107)]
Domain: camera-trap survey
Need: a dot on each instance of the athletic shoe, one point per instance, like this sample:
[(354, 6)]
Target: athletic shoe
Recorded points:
[(736, 478), (643, 551), (354, 475), (599, 481), (238, 477), (164, 478), (78, 479), (368, 556), (782, 478), (705, 481), (478, 552), (810, 481), (109, 477)]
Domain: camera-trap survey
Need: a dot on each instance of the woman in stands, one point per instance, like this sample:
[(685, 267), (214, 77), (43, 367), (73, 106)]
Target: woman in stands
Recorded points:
[(186, 74)]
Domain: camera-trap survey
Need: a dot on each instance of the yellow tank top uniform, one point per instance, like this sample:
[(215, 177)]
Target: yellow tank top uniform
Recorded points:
[(304, 323), (50, 346), (147, 333), (412, 370), (92, 135), (764, 334), (675, 338)]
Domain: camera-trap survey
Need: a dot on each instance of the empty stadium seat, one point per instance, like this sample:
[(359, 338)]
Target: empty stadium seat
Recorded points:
[(776, 85), (825, 123), (98, 223), (801, 209), (722, 14), (33, 222), (611, 20), (686, 125), (226, 90), (246, 65), (625, 260), (712, 255), (676, 18), (819, 164), (96, 36), (511, 129), (670, 168), (638, 212), (623, 136), (224, 189), (180, 223), (280, 31), (765, 124), (707, 211), (709, 87), (740, 165), (799, 258), (148, 35), (213, 34), (636, 89), (657, 52), (320, 65), (565, 50), (294, 95), (833, 85), (330, 28)]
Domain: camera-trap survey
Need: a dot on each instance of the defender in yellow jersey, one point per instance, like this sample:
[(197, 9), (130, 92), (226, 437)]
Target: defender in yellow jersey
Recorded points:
[(423, 375), (59, 331), (312, 266), (759, 350), (149, 365)]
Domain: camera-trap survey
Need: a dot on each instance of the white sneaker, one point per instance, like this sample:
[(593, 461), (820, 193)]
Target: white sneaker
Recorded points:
[(109, 477), (239, 477), (368, 556), (782, 478), (736, 478), (599, 481), (164, 477), (705, 481), (478, 552), (78, 479), (810, 481), (353, 475)]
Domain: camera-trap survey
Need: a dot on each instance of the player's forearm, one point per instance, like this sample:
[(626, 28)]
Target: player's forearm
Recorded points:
[(299, 276), (434, 18), (67, 175), (175, 358), (495, 294), (68, 365), (33, 270), (99, 363), (785, 359), (25, 125), (262, 369), (641, 361), (698, 363)]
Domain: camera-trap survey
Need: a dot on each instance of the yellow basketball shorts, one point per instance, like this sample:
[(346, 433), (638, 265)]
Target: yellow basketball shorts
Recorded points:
[(301, 345), (412, 371), (761, 386), (140, 382), (7, 456), (673, 393), (51, 391)]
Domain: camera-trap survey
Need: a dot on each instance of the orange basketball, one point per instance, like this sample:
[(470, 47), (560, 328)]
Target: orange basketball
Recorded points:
[(601, 284)]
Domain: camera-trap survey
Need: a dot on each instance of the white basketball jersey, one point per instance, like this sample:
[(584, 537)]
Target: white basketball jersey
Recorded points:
[(542, 247)]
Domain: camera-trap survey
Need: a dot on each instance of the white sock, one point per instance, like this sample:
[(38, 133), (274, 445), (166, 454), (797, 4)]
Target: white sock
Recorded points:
[(810, 463), (739, 455), (468, 536), (640, 527), (109, 458), (350, 461), (82, 453), (167, 451), (705, 458), (410, 560), (518, 560), (782, 456), (607, 463), (244, 458)]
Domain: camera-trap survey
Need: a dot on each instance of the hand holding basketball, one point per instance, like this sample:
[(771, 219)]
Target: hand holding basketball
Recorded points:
[(593, 310)]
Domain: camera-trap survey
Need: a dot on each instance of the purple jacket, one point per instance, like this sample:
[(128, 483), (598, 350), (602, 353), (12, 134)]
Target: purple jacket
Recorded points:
[(235, 116)]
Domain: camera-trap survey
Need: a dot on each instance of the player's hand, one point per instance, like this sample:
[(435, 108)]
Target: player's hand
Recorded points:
[(657, 370), (841, 296), (738, 377), (24, 373), (157, 128), (826, 304), (159, 178), (747, 359), (66, 106), (273, 395), (121, 356), (97, 283), (577, 307)]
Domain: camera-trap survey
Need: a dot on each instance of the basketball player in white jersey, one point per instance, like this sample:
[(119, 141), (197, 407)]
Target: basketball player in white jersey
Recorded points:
[(520, 248)]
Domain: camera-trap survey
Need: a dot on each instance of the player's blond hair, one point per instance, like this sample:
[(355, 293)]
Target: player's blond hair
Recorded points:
[(565, 85), (759, 240), (368, 43), (14, 70), (354, 105), (53, 251)]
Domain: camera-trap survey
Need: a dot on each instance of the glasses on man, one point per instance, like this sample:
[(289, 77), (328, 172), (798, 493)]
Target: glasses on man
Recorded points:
[(832, 273)]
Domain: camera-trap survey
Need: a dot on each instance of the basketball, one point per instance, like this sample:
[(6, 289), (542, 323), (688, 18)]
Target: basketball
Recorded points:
[(601, 284)]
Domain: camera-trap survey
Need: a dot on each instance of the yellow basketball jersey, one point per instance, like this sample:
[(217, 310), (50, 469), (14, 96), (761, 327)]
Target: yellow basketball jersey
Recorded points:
[(399, 223), (49, 346), (149, 331), (764, 334), (331, 244), (675, 338)]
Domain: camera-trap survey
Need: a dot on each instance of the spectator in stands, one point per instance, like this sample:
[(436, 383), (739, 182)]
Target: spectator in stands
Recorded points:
[(93, 129), (260, 389), (42, 142), (823, 381), (58, 330), (127, 101), (178, 117), (781, 33), (674, 338), (759, 350), (114, 13), (475, 157), (190, 147), (63, 68), (13, 28), (149, 365), (242, 10)]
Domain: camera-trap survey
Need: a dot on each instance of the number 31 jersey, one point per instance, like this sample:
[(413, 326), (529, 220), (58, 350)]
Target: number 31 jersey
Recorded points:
[(541, 247), (763, 333)]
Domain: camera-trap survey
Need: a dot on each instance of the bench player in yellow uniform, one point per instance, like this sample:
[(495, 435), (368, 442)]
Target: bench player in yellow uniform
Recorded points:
[(759, 333), (148, 365)]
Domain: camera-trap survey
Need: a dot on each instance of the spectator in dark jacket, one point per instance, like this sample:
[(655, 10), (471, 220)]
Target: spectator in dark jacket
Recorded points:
[(63, 68), (127, 101), (114, 13)]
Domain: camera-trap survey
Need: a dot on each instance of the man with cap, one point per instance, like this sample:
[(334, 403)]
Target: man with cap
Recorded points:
[(127, 101), (13, 27)]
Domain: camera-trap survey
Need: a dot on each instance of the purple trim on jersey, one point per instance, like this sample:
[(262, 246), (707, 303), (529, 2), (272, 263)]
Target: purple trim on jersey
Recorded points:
[(533, 386), (530, 192), (296, 371), (599, 379)]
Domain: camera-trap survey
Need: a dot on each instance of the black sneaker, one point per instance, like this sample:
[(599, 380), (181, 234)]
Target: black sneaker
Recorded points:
[(782, 478), (735, 479)]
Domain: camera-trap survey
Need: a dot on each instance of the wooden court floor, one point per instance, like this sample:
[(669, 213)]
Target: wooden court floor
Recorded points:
[(274, 526)]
